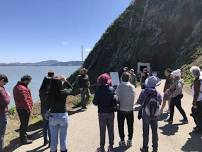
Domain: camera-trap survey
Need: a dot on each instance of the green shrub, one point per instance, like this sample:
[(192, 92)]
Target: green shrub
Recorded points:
[(12, 111)]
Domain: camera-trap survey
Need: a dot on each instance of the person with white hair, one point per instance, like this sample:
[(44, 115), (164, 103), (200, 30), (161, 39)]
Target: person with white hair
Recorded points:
[(197, 98), (175, 92)]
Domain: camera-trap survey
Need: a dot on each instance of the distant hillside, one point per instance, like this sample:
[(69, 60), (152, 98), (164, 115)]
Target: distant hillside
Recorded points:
[(165, 33), (45, 63)]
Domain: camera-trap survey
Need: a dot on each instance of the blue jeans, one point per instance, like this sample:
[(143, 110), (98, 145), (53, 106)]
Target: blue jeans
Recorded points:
[(58, 124), (3, 123)]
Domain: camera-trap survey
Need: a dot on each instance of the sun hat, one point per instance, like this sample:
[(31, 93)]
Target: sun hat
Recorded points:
[(152, 82), (176, 73)]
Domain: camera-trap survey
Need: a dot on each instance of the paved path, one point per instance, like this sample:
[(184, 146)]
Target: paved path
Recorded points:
[(83, 133)]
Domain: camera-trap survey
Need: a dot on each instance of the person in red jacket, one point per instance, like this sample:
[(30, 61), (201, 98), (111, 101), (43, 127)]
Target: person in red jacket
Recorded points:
[(24, 104), (4, 101)]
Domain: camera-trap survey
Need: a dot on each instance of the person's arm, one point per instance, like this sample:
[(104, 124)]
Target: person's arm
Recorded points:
[(4, 99), (197, 85), (141, 98), (95, 100), (23, 96)]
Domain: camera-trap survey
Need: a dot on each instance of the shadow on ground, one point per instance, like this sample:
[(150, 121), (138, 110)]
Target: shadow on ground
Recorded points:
[(120, 149), (170, 129), (193, 143), (36, 131)]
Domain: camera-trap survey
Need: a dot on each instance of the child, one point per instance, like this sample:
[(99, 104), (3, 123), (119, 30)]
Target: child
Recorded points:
[(150, 100), (104, 99)]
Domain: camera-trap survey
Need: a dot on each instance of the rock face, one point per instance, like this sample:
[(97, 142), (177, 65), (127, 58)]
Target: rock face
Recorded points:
[(166, 33)]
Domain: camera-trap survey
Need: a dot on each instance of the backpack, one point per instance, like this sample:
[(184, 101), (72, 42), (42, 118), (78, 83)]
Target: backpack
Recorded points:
[(152, 106)]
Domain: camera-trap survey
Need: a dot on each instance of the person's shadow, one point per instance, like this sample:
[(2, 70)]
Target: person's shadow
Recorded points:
[(170, 129), (121, 149), (194, 143)]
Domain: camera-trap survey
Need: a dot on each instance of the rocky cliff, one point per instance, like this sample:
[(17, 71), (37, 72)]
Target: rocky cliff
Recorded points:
[(166, 33)]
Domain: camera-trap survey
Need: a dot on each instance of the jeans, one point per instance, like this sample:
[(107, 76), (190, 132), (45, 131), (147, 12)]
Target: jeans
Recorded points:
[(176, 102), (24, 121), (129, 116), (46, 130), (85, 96), (58, 124), (154, 127), (106, 120), (3, 123)]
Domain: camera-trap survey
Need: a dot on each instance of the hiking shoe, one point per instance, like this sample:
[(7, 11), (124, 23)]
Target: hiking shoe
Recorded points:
[(122, 143), (144, 150), (129, 143), (100, 149), (185, 121), (110, 149)]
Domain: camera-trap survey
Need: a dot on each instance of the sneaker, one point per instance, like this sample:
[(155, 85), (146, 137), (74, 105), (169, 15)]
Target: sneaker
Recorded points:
[(110, 149), (100, 149), (185, 121), (122, 143), (144, 150), (129, 143)]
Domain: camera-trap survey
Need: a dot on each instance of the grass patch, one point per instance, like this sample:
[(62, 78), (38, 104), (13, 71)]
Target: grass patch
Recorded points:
[(77, 101)]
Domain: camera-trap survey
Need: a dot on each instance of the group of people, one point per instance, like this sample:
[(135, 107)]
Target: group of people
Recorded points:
[(121, 99), (109, 99)]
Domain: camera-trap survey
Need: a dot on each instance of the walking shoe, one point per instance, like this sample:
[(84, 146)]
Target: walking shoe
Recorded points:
[(100, 149), (110, 149), (129, 143), (144, 150), (185, 121), (122, 143), (25, 141)]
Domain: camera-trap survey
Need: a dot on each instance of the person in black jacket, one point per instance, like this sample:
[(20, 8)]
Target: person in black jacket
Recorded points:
[(84, 84), (45, 104), (58, 118), (104, 99)]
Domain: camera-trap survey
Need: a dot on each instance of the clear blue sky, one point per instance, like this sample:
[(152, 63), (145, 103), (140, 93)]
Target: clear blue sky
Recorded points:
[(36, 30)]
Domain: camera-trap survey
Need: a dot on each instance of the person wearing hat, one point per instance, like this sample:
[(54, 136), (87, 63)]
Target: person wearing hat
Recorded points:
[(45, 104), (126, 97), (133, 77), (175, 92), (144, 99), (104, 99), (84, 84), (197, 98), (4, 101), (24, 104)]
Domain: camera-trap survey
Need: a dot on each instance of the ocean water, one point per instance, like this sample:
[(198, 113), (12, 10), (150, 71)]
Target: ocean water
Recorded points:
[(14, 73)]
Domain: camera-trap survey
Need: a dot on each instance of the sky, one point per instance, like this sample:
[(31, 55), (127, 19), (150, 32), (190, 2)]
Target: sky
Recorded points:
[(38, 30)]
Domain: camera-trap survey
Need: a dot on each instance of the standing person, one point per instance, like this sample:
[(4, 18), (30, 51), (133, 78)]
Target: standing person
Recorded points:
[(24, 104), (133, 77), (150, 99), (168, 83), (104, 99), (84, 84), (197, 98), (126, 97), (58, 118), (45, 104), (175, 92), (4, 101), (144, 76)]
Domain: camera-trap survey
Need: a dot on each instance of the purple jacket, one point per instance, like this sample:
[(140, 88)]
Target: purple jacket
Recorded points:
[(4, 101), (144, 94)]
